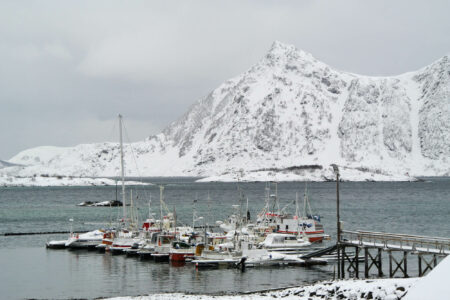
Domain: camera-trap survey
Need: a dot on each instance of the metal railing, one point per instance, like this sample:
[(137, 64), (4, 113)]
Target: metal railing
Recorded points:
[(415, 243)]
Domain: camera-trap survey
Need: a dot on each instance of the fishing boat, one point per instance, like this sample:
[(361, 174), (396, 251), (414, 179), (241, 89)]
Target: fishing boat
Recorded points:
[(180, 251), (162, 249), (148, 246), (272, 219)]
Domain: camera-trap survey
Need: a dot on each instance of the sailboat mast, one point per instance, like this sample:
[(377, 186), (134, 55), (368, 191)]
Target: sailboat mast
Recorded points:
[(122, 170), (149, 207), (131, 210), (161, 189)]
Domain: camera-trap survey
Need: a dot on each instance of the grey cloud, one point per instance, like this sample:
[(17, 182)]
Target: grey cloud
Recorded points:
[(68, 68)]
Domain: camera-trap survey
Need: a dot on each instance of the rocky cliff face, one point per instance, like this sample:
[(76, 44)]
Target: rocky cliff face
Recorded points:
[(288, 113)]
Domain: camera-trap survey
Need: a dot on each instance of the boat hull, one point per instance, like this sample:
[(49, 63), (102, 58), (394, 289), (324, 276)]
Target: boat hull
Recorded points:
[(145, 255), (161, 257), (180, 257)]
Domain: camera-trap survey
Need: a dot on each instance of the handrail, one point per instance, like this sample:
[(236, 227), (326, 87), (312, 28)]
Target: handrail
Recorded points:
[(395, 236), (390, 240)]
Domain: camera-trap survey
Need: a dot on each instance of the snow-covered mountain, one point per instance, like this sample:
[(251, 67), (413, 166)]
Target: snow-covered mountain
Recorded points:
[(289, 115)]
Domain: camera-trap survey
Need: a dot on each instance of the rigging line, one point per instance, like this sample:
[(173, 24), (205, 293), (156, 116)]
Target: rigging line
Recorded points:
[(127, 137), (287, 205), (145, 192), (112, 134), (132, 152)]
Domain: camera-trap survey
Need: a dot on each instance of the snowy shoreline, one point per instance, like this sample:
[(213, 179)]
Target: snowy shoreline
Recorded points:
[(344, 289), (47, 181), (317, 175)]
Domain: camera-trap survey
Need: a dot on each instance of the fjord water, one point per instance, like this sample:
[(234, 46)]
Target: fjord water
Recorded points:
[(31, 271)]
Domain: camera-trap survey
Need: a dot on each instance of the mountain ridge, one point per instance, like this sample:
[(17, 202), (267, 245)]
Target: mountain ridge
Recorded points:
[(289, 109)]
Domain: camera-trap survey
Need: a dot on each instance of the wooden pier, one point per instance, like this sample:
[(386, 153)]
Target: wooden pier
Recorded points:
[(369, 247)]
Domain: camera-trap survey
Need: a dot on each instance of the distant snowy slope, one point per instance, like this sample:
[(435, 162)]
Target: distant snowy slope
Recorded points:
[(5, 164), (286, 113)]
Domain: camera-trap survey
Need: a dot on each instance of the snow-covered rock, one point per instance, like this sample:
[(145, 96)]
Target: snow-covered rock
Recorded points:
[(289, 115)]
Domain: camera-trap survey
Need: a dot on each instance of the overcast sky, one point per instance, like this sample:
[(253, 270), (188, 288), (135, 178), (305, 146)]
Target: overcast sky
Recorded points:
[(67, 68)]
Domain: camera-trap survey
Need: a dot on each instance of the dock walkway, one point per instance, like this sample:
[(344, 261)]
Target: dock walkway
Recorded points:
[(427, 249)]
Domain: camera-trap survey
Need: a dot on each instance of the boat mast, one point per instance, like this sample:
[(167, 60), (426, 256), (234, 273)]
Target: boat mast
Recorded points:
[(161, 189), (210, 218), (304, 204), (149, 207), (278, 201), (175, 223), (131, 210), (122, 170), (194, 212), (296, 214)]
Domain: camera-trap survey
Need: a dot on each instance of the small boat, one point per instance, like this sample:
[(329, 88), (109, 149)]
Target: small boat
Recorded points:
[(148, 247), (88, 240), (125, 240), (56, 244), (284, 242), (162, 249), (180, 251)]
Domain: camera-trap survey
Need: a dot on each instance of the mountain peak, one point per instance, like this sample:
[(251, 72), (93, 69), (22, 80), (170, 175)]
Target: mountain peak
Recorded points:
[(280, 50)]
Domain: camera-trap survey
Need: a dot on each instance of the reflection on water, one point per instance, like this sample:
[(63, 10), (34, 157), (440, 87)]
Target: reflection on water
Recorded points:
[(87, 274)]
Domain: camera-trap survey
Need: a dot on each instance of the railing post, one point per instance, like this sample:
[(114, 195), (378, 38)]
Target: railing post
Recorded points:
[(420, 264), (405, 263), (357, 261), (390, 263), (380, 266), (366, 262)]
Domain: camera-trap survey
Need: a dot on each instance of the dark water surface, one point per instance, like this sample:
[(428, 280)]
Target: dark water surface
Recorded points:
[(31, 271)]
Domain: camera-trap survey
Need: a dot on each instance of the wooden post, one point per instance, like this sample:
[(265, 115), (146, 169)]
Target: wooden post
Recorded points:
[(366, 262), (357, 261), (380, 266), (405, 264), (420, 264), (390, 263), (342, 262)]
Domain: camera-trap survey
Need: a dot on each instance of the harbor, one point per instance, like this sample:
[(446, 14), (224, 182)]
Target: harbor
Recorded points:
[(91, 274)]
